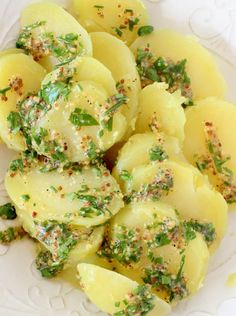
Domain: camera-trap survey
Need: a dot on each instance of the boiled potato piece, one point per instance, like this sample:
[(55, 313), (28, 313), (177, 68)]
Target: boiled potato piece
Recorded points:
[(120, 18), (81, 71), (67, 37), (206, 79), (129, 156), (21, 68), (222, 115), (89, 239), (146, 218), (108, 290), (157, 104), (120, 61), (191, 194), (78, 122), (9, 51), (87, 197)]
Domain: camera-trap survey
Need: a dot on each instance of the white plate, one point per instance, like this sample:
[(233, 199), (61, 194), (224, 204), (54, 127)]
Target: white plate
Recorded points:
[(22, 291)]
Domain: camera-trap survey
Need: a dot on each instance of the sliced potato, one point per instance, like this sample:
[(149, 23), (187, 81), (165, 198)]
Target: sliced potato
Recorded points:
[(191, 194), (120, 18), (21, 67), (81, 70), (85, 198), (222, 115), (129, 155), (140, 217), (9, 51), (206, 79), (89, 240), (108, 290), (120, 61), (157, 104), (56, 22), (78, 120)]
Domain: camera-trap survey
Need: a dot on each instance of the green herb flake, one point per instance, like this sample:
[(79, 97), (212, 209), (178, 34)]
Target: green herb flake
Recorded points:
[(25, 197), (126, 247), (80, 117), (117, 101), (47, 266), (140, 302), (15, 122), (97, 6), (157, 153), (125, 175), (17, 165), (145, 30), (161, 69), (11, 234), (51, 92), (118, 31), (8, 211), (158, 276), (132, 23), (206, 229), (93, 205)]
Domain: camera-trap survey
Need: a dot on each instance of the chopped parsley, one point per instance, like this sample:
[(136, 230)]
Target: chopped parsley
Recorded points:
[(58, 237), (125, 175), (145, 30), (139, 302), (161, 185), (14, 121), (47, 266), (161, 69), (206, 229), (213, 162), (8, 211), (132, 23), (26, 34), (97, 6), (159, 278), (65, 47), (116, 101), (118, 31), (93, 205), (126, 246), (157, 153), (51, 92), (25, 197), (79, 117), (11, 234)]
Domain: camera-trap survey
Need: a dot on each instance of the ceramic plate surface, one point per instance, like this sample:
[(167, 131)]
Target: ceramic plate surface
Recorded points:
[(22, 291)]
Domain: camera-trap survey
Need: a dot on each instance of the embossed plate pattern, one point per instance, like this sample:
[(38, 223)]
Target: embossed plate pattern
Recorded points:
[(22, 291)]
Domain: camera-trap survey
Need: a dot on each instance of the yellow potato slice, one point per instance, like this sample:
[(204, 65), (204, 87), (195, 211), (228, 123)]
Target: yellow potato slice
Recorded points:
[(191, 194), (89, 239), (56, 21), (16, 66), (120, 61), (87, 197), (129, 155), (222, 115), (9, 51), (120, 18), (206, 79), (157, 104), (108, 290), (87, 101), (139, 217)]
